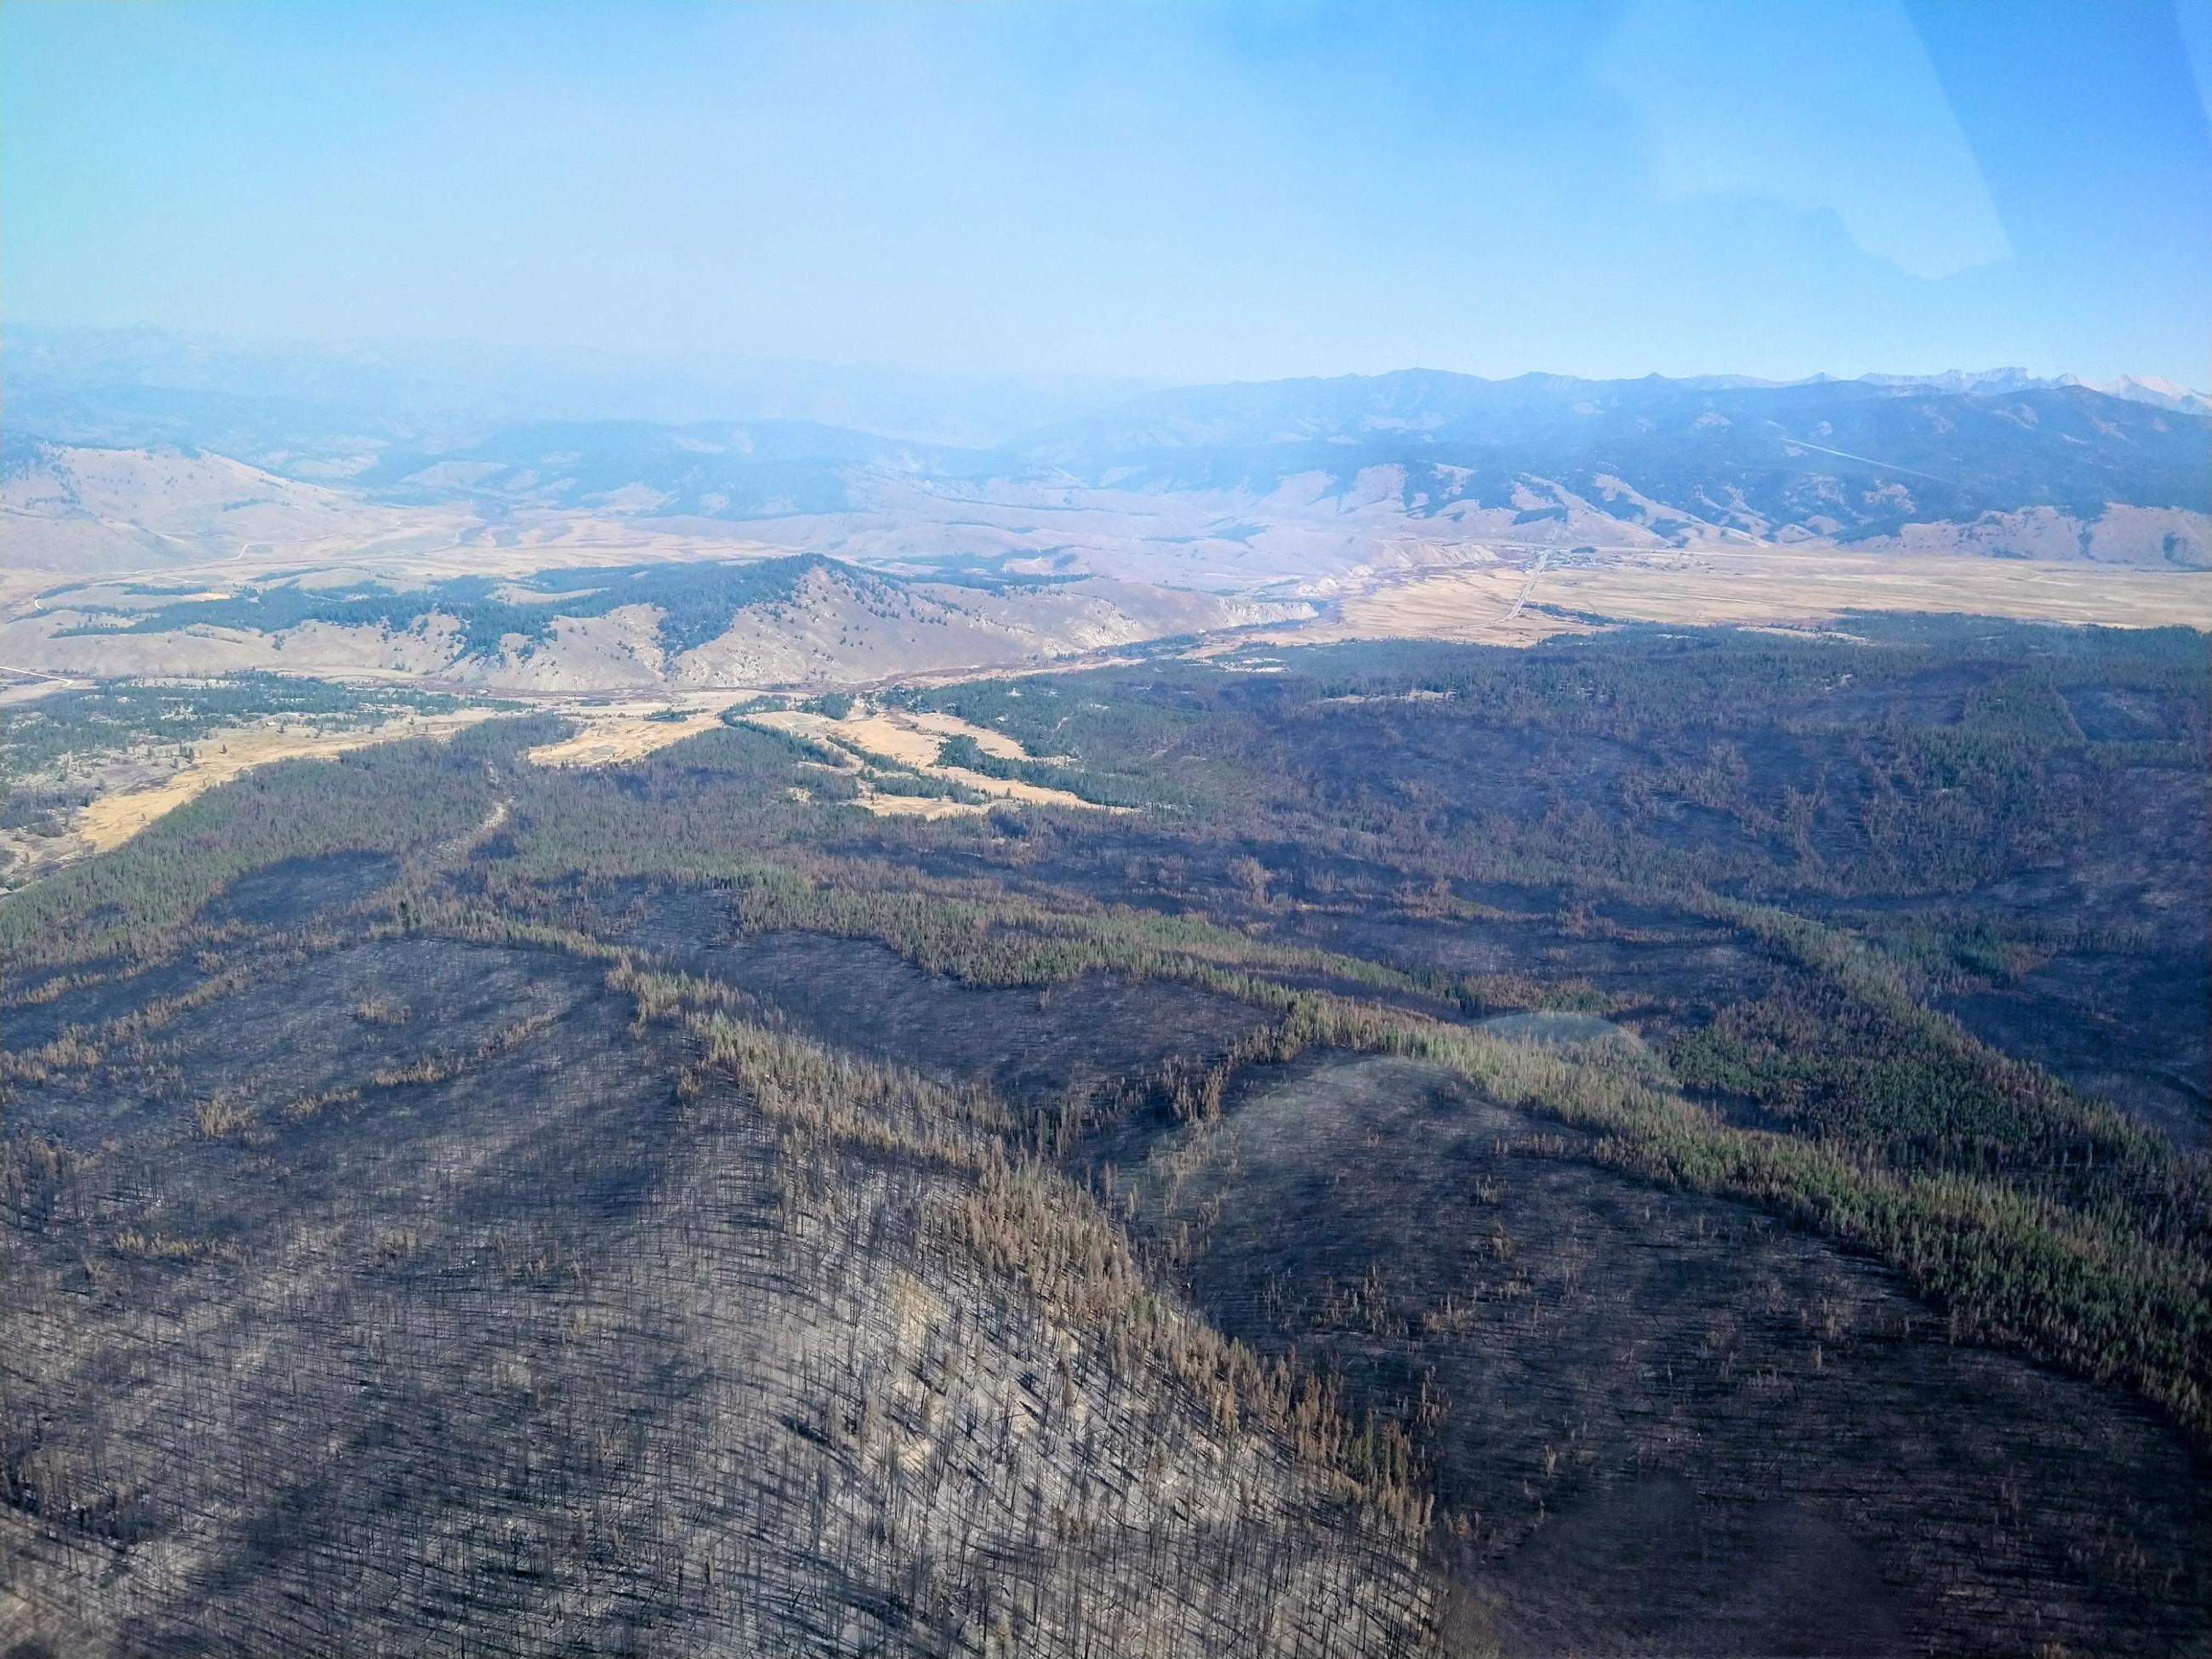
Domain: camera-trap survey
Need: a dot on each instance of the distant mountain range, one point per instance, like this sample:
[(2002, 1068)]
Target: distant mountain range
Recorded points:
[(145, 386), (1233, 485), (1836, 460), (2158, 392)]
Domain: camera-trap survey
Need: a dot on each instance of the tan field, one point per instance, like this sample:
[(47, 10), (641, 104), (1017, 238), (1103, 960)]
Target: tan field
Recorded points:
[(1767, 587), (608, 737), (34, 686), (113, 819), (912, 739), (605, 735), (920, 806)]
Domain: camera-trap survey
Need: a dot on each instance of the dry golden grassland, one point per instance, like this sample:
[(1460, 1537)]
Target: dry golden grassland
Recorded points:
[(604, 736), (912, 738), (112, 819), (1766, 587), (608, 736)]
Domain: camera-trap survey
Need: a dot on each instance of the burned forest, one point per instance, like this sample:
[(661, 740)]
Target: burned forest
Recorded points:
[(1674, 1140)]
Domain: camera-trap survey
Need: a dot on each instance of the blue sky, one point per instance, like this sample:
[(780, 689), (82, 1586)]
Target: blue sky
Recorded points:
[(1170, 192)]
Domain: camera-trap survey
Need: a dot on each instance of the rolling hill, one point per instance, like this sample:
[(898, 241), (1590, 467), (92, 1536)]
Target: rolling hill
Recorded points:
[(796, 621), (77, 510)]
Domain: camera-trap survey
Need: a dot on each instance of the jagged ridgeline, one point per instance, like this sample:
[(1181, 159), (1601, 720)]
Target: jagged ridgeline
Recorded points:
[(1672, 1142)]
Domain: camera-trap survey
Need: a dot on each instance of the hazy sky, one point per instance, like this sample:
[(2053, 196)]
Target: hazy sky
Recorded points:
[(1175, 191)]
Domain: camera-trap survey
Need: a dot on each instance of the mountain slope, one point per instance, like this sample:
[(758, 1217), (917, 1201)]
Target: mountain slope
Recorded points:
[(803, 620), (1843, 461), (81, 510)]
